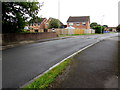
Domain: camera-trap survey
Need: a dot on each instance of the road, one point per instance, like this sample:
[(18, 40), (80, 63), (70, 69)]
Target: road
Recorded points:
[(23, 63), (95, 67)]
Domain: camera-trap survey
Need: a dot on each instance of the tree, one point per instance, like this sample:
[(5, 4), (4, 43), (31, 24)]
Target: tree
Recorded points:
[(92, 25), (97, 27), (54, 23), (102, 28), (118, 28), (106, 26), (35, 20), (110, 29), (16, 14)]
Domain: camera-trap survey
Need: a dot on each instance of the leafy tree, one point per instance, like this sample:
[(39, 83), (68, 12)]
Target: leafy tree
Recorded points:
[(110, 29), (102, 28), (16, 14), (118, 28), (35, 20), (92, 25), (106, 26), (54, 23), (98, 29)]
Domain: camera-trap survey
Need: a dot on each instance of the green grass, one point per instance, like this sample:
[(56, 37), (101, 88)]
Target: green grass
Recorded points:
[(112, 32), (62, 35), (45, 80)]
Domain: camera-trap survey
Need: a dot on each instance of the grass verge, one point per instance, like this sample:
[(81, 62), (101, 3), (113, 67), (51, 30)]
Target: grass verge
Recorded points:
[(62, 35), (45, 80)]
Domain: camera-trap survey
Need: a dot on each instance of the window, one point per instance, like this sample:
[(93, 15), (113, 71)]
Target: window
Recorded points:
[(77, 24), (38, 24), (83, 23), (36, 30), (46, 24), (71, 24), (34, 24)]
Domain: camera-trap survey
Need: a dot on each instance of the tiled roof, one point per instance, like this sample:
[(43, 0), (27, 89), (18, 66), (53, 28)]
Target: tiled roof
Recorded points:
[(78, 19)]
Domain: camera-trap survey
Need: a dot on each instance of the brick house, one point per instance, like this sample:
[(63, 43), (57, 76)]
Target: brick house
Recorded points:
[(111, 29), (79, 22), (41, 26), (47, 23), (38, 26)]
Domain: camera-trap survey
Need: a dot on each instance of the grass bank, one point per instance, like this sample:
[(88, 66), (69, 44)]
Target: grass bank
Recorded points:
[(45, 80), (62, 35)]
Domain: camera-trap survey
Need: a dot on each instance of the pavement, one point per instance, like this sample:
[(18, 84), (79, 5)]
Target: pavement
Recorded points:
[(23, 63), (95, 67)]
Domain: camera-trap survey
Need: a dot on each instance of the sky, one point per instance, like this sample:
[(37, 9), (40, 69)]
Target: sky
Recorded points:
[(104, 12)]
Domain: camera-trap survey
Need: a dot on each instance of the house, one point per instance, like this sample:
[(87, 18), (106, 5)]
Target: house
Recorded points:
[(41, 25), (79, 22), (48, 21), (64, 26), (111, 29), (38, 26)]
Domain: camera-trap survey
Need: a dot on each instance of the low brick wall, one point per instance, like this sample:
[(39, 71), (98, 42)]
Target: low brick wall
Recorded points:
[(17, 37)]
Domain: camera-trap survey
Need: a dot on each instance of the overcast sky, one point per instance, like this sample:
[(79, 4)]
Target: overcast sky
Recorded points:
[(100, 11)]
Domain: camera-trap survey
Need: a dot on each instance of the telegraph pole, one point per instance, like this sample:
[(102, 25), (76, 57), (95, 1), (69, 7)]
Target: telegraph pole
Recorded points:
[(118, 12), (102, 19), (58, 12), (58, 9)]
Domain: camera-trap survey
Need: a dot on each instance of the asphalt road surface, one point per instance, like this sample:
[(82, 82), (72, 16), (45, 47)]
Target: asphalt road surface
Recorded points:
[(95, 67), (23, 63)]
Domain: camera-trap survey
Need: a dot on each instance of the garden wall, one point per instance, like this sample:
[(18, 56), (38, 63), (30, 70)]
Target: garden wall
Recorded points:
[(17, 37)]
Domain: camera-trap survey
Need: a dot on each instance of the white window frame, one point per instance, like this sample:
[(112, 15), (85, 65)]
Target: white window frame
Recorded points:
[(83, 23), (71, 24), (77, 24)]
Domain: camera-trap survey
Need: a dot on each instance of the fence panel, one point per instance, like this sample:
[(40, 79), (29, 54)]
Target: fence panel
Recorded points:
[(93, 31), (49, 30), (74, 31), (87, 31), (70, 31), (64, 31), (78, 31), (58, 31), (41, 30)]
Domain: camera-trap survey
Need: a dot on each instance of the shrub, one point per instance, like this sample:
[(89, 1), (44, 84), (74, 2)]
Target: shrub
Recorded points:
[(98, 29)]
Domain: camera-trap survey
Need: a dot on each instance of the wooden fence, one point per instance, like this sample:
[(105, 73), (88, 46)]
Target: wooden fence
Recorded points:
[(73, 31)]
